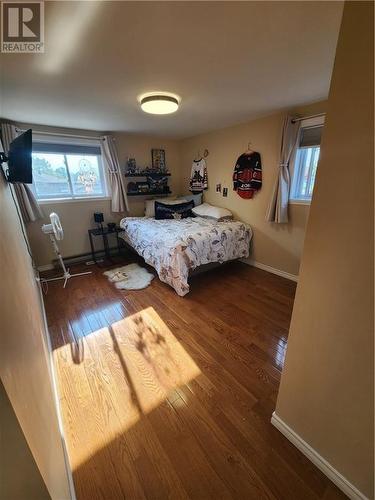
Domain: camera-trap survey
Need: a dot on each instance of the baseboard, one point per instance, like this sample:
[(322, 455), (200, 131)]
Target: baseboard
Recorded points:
[(75, 259), (340, 481), (269, 269), (46, 267)]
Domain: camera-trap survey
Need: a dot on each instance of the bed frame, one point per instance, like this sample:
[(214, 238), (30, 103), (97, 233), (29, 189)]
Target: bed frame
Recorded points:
[(198, 270)]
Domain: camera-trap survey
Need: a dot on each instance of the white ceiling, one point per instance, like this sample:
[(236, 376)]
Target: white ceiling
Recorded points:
[(228, 61)]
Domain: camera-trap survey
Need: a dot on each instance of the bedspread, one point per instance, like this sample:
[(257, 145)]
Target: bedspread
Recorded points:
[(175, 247)]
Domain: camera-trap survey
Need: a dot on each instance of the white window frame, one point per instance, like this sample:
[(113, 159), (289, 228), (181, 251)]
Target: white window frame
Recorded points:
[(73, 141), (308, 122)]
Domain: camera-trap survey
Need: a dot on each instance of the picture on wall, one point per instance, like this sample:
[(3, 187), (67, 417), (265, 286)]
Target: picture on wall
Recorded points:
[(158, 159)]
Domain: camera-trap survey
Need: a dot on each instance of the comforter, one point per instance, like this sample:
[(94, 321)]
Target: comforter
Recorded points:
[(176, 247)]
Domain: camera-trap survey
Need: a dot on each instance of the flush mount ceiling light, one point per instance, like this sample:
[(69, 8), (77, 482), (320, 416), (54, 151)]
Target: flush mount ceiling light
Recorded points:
[(159, 103)]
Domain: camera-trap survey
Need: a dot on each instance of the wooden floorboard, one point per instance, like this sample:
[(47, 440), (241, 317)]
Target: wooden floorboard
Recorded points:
[(170, 397)]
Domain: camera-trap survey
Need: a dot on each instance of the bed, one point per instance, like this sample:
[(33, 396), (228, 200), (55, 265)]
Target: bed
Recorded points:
[(176, 247)]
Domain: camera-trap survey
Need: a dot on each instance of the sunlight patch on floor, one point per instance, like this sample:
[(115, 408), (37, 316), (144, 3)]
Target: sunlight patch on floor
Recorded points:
[(156, 361), (127, 369)]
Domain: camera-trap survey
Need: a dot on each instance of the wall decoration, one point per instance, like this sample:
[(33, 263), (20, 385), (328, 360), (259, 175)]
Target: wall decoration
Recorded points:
[(158, 184), (225, 192), (218, 188), (198, 176), (158, 159), (247, 175), (131, 166)]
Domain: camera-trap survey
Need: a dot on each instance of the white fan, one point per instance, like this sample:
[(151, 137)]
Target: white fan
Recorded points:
[(56, 232)]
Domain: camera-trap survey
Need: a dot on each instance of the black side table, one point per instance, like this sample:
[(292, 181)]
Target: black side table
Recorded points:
[(104, 234)]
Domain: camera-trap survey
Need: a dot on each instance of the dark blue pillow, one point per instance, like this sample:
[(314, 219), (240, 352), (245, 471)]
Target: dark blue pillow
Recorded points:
[(178, 211)]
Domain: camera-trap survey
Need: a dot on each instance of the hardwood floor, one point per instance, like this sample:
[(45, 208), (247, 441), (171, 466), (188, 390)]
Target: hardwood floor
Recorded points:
[(170, 397)]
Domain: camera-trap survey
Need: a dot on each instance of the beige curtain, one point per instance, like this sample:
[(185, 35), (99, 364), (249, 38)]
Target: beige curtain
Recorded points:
[(118, 191), (29, 207), (278, 207)]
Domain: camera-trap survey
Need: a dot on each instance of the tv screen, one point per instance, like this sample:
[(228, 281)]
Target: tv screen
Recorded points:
[(19, 159)]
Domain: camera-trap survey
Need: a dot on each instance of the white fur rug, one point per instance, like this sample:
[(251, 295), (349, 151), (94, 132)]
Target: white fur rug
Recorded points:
[(130, 277)]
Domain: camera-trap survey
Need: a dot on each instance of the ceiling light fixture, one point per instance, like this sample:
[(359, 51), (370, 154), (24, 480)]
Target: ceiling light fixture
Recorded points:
[(159, 103)]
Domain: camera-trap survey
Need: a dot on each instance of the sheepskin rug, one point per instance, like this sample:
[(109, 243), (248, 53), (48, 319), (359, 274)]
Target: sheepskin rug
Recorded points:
[(130, 277)]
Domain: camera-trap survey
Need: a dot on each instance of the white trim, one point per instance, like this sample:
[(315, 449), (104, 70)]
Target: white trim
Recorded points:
[(269, 269), (334, 475), (299, 201), (73, 200), (46, 267)]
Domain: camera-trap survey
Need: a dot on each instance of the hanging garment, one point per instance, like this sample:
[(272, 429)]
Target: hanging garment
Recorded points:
[(247, 175), (198, 178)]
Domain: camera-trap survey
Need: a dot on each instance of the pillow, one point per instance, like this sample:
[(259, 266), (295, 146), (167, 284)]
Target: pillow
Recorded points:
[(175, 211), (150, 205), (197, 198), (210, 212)]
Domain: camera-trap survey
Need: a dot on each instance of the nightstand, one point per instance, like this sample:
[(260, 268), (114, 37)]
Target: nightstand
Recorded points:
[(104, 233)]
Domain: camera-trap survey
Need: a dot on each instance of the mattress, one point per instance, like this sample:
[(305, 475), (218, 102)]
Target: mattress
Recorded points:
[(176, 247)]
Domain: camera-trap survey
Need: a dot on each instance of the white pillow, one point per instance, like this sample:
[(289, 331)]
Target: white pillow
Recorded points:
[(197, 198), (150, 205), (210, 212)]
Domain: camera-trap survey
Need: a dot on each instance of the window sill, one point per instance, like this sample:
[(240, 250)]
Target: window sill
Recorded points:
[(299, 202), (72, 200)]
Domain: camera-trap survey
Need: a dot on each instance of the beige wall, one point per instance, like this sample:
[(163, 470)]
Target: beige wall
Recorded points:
[(326, 393), (77, 216), (25, 367), (20, 478), (139, 147), (276, 245)]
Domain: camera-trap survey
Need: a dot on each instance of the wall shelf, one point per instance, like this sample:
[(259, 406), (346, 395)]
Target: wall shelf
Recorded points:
[(149, 174), (150, 193), (153, 175)]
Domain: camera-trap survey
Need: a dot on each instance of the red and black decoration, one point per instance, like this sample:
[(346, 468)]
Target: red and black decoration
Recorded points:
[(247, 175)]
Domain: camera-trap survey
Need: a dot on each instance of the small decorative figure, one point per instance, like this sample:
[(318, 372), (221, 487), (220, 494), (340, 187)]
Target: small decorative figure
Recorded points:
[(131, 166)]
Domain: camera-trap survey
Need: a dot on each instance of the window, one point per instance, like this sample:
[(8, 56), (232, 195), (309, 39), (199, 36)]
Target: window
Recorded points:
[(306, 160), (67, 171)]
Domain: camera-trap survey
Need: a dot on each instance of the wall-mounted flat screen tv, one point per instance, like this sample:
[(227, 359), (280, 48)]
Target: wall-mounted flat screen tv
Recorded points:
[(19, 159)]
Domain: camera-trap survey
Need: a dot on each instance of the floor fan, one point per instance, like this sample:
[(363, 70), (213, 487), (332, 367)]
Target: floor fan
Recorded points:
[(56, 232)]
